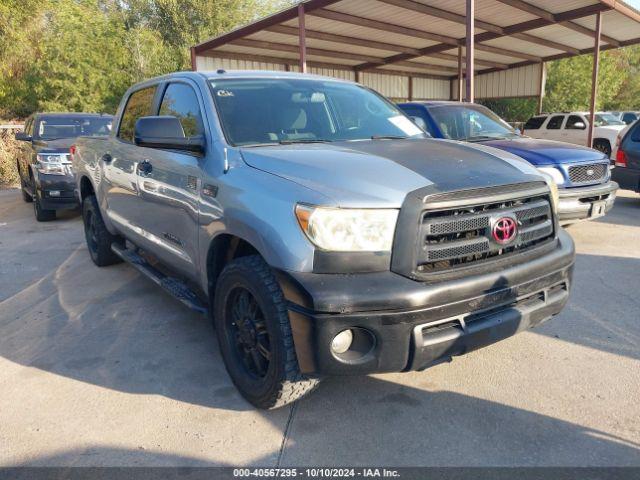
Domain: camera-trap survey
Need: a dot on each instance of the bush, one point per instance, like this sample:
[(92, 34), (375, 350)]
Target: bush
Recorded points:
[(8, 153)]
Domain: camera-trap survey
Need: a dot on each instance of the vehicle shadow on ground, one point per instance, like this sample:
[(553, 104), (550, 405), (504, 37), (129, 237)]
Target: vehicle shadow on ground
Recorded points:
[(610, 323), (365, 421)]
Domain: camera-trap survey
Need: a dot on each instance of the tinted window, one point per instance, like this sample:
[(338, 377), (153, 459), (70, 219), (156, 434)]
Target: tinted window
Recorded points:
[(59, 126), (555, 122), (635, 133), (296, 110), (629, 117), (534, 123), (573, 121), (139, 105), (470, 122), (418, 112), (181, 101)]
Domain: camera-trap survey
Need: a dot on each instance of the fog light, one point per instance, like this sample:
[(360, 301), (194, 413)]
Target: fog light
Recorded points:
[(342, 341), (54, 193)]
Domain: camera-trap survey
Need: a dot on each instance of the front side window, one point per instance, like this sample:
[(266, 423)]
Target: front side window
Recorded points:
[(555, 123), (140, 104), (470, 123), (574, 122), (267, 111), (60, 126), (180, 101)]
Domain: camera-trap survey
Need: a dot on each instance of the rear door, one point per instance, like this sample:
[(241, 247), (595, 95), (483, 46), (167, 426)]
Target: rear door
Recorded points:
[(119, 163), (552, 129), (168, 188), (631, 147)]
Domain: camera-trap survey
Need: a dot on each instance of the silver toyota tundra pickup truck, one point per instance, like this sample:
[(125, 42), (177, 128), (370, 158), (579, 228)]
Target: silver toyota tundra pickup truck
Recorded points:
[(318, 227)]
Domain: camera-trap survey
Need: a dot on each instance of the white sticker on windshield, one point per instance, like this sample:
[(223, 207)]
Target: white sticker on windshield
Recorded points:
[(407, 126)]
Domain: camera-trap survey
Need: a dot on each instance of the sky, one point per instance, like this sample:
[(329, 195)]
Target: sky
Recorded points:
[(634, 3)]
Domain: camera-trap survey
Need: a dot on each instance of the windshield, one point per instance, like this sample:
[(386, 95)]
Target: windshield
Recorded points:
[(605, 119), (50, 128), (268, 111), (470, 122)]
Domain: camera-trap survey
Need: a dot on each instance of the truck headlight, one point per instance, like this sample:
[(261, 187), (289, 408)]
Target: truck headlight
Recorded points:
[(52, 164), (554, 173), (348, 229)]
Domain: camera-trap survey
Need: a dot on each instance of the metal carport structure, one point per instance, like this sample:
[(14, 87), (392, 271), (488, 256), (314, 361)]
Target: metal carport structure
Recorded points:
[(428, 49)]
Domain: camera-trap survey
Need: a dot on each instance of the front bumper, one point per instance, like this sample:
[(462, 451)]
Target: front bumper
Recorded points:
[(412, 325), (56, 192), (585, 203)]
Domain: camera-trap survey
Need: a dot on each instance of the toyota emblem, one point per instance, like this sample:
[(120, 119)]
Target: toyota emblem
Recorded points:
[(504, 230)]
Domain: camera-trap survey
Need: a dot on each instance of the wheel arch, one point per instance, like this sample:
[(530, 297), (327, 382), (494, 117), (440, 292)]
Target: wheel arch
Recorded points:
[(85, 187), (224, 248)]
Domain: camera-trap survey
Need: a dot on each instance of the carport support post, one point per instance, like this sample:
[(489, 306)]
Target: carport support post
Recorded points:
[(594, 79), (193, 59), (302, 39), (460, 75), (540, 88), (470, 40)]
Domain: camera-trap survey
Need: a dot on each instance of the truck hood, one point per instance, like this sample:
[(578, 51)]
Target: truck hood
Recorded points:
[(546, 152), (381, 172), (611, 129)]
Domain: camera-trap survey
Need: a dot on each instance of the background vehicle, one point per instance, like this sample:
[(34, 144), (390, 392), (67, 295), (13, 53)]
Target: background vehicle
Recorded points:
[(582, 174), (627, 171), (572, 128), (627, 117), (44, 166), (319, 227)]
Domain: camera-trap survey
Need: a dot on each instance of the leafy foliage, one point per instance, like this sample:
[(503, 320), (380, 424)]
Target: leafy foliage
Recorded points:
[(81, 55)]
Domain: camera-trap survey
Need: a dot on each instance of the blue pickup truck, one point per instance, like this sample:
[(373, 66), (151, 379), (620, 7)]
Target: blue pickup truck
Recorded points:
[(582, 174)]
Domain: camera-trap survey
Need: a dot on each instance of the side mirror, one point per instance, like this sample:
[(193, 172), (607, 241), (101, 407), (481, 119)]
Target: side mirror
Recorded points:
[(23, 137), (419, 122), (579, 126), (165, 132)]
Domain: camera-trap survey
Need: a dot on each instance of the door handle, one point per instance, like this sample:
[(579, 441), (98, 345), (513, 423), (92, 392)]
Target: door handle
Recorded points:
[(106, 158), (145, 167)]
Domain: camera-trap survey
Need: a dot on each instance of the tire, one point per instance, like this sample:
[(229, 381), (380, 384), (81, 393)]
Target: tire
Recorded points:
[(99, 239), (604, 146), (41, 214), (267, 382), (23, 189)]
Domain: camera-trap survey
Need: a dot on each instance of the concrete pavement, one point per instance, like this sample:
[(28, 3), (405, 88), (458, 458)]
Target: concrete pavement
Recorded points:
[(100, 367)]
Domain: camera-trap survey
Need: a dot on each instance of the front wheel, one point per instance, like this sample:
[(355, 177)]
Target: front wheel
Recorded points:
[(604, 146), (99, 239), (42, 215), (254, 334)]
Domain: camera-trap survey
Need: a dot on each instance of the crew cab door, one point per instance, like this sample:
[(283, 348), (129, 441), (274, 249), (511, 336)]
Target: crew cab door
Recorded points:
[(552, 129), (575, 130), (168, 184)]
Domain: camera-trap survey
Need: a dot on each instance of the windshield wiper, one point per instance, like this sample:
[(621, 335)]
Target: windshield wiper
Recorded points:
[(303, 140), (389, 137), (479, 138)]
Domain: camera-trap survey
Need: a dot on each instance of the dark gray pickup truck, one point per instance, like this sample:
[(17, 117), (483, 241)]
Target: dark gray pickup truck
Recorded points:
[(318, 226)]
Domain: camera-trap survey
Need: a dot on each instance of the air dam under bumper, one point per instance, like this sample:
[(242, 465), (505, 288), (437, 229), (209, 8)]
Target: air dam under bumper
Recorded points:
[(407, 325), (582, 203)]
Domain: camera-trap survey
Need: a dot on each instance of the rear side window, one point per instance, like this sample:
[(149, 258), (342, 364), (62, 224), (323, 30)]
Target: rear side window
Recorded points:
[(629, 117), (140, 104), (635, 133), (534, 123), (418, 112), (555, 123), (180, 101)]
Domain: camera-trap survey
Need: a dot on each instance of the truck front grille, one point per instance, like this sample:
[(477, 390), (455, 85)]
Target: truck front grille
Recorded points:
[(593, 172), (457, 237)]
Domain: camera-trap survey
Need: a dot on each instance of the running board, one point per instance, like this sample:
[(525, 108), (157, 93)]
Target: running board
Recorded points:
[(171, 285)]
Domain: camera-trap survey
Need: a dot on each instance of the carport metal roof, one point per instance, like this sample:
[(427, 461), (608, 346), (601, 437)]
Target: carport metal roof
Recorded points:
[(432, 39), (422, 37)]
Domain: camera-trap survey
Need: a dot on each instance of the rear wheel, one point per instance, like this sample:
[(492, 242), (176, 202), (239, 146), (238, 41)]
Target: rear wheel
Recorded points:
[(603, 145), (99, 239), (42, 215), (254, 334)]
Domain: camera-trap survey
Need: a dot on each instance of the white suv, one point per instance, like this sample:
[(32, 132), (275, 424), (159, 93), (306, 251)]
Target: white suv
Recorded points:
[(572, 128)]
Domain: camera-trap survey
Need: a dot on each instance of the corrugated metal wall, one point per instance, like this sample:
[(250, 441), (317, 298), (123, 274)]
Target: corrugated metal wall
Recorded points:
[(395, 87), (516, 82)]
